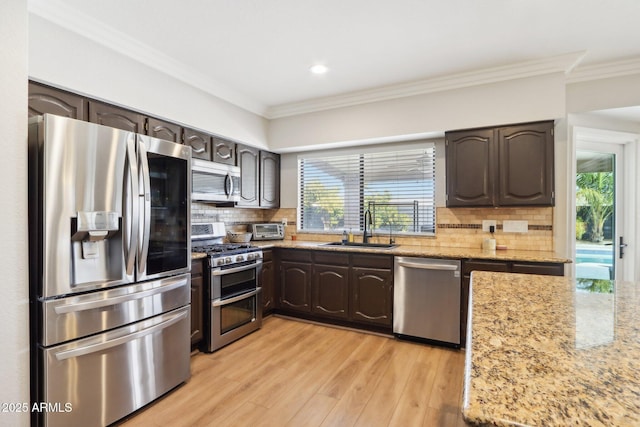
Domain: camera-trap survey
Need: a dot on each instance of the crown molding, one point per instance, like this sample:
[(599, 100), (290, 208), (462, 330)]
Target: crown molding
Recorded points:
[(72, 20), (556, 64), (605, 70)]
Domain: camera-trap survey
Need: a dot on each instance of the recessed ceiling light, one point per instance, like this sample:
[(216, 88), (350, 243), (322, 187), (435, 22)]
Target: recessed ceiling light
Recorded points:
[(319, 69)]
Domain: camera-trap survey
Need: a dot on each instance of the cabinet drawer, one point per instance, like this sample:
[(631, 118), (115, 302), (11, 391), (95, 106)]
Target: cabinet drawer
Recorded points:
[(470, 266), (267, 255), (295, 255), (331, 258), (373, 261), (549, 269)]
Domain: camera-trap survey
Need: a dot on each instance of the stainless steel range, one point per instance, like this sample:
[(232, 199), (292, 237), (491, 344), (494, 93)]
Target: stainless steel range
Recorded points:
[(232, 297)]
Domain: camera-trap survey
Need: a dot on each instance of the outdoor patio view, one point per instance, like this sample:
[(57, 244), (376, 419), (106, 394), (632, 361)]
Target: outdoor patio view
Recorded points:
[(595, 205)]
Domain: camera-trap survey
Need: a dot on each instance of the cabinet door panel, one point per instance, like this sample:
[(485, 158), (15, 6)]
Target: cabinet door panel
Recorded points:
[(470, 168), (199, 142), (331, 291), (43, 99), (268, 287), (197, 320), (371, 296), (164, 130), (248, 158), (224, 151), (115, 117), (295, 286), (526, 165), (269, 179)]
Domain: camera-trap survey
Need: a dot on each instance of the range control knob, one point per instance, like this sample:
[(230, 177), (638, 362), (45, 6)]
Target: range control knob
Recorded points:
[(227, 260), (239, 258), (220, 261)]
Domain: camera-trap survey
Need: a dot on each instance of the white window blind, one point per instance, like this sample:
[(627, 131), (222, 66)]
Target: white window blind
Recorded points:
[(397, 187)]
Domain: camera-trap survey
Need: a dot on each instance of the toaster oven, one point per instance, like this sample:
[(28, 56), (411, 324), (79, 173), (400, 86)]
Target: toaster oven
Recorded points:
[(268, 231)]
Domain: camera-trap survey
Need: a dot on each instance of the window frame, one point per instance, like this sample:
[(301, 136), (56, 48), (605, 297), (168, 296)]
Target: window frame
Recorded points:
[(433, 204)]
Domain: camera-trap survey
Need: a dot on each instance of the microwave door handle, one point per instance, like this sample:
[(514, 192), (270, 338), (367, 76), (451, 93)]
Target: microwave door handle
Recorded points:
[(130, 221), (228, 184), (145, 201)]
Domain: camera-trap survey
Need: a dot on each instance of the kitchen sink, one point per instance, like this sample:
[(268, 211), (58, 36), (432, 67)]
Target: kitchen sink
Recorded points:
[(362, 245)]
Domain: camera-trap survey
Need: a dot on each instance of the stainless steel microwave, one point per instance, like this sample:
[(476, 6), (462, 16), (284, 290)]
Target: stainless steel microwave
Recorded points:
[(214, 182)]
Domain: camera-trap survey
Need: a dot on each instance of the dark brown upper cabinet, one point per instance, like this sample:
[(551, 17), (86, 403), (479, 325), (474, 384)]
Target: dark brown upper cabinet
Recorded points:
[(224, 151), (248, 160), (502, 166), (43, 99), (164, 130), (199, 142), (470, 169), (525, 157), (115, 117), (269, 179)]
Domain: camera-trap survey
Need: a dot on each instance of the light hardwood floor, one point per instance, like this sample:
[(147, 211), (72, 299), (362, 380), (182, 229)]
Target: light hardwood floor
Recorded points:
[(291, 373)]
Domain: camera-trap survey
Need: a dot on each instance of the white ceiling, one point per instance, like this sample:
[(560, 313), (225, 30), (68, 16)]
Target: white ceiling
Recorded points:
[(257, 53)]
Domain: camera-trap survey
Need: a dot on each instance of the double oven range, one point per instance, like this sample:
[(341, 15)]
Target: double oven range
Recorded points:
[(232, 295)]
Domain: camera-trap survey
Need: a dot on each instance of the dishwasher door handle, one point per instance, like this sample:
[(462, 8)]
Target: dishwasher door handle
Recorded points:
[(420, 266)]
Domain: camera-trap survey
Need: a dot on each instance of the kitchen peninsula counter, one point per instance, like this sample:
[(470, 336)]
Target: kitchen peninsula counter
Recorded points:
[(424, 251), (552, 351)]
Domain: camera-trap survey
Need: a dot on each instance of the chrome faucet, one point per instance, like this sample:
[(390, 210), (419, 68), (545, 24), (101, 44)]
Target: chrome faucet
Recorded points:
[(369, 233)]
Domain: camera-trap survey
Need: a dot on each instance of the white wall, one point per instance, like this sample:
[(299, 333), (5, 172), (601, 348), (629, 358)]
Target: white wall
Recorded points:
[(64, 59), (513, 101), (14, 333), (615, 92)]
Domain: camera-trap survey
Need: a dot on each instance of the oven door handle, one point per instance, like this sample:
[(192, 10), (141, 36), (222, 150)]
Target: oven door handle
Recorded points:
[(236, 269), (221, 302)]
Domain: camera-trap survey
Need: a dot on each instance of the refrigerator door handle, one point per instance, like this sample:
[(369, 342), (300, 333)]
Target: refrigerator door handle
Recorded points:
[(145, 200), (131, 206), (83, 351), (89, 305)]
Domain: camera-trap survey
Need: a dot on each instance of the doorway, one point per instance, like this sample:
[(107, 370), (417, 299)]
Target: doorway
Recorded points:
[(604, 205)]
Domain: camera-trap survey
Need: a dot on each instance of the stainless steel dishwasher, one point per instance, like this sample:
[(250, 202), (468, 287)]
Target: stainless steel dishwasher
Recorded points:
[(426, 299)]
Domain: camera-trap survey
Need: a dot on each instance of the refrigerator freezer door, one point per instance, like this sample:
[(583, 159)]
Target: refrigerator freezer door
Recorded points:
[(75, 317), (98, 380)]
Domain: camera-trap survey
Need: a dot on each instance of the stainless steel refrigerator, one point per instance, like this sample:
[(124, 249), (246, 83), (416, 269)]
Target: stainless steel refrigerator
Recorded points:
[(110, 255)]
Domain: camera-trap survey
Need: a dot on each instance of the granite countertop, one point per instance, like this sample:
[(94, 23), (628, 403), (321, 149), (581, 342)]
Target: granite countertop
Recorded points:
[(543, 352), (424, 251)]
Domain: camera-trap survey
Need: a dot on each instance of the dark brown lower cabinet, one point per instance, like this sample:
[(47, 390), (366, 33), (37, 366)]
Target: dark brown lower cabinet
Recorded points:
[(349, 289), (295, 286), (372, 296), (267, 283), (197, 288), (330, 291), (470, 265)]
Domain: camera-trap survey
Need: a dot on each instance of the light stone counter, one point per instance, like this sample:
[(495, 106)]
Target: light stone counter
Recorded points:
[(543, 353), (425, 251)]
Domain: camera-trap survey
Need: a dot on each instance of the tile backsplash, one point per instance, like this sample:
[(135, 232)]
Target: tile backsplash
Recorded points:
[(459, 227)]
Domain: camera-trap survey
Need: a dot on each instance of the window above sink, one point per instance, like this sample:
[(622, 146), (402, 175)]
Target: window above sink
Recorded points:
[(397, 187)]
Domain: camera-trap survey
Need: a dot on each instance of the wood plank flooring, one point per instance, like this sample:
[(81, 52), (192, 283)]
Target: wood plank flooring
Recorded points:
[(292, 373)]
